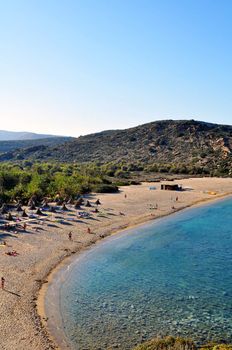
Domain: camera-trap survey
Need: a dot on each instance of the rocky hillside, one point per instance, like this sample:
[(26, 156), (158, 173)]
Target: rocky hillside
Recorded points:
[(165, 142)]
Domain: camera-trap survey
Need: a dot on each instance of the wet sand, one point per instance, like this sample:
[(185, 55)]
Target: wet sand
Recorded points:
[(42, 247)]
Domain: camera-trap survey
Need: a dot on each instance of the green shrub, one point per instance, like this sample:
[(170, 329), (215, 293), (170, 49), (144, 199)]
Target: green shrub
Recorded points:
[(171, 343), (105, 188), (217, 347), (134, 182), (122, 183), (168, 343)]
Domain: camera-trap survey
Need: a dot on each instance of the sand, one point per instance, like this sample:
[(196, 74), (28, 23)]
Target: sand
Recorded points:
[(41, 251)]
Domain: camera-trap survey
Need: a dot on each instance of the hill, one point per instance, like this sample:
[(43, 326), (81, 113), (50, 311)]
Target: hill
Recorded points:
[(23, 135), (190, 143), (21, 145)]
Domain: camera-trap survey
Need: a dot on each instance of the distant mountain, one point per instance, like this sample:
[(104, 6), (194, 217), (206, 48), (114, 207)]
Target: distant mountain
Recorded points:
[(168, 142), (10, 148), (15, 135)]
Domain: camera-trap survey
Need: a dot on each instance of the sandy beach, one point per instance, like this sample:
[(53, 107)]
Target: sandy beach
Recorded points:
[(43, 246)]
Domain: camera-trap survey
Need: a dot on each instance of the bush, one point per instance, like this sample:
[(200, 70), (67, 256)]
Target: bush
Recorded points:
[(168, 343), (134, 182), (217, 347), (122, 183), (171, 343), (122, 174), (104, 188)]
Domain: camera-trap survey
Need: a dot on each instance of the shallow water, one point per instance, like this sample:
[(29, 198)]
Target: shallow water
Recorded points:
[(173, 276)]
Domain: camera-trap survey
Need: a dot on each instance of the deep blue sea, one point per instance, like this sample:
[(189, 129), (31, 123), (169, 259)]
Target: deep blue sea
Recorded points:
[(172, 276)]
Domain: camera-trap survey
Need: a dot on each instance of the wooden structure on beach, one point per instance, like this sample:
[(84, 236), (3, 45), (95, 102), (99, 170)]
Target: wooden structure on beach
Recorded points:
[(171, 187)]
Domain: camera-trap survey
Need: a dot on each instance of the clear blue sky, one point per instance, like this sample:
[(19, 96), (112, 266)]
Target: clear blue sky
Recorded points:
[(79, 66)]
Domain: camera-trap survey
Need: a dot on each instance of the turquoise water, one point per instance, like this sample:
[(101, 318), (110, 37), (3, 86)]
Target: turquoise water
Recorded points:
[(173, 276)]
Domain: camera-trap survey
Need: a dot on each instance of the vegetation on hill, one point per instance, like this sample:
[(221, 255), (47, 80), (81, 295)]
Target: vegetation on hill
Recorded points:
[(169, 146), (7, 147), (171, 343), (47, 180)]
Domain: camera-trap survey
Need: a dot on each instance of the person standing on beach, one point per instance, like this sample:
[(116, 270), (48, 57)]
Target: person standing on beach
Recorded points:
[(70, 236), (2, 282)]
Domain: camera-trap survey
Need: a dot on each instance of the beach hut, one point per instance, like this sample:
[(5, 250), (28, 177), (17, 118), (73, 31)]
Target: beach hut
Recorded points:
[(171, 187)]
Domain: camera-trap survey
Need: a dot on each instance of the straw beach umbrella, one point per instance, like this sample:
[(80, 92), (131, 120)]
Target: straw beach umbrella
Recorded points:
[(24, 214)]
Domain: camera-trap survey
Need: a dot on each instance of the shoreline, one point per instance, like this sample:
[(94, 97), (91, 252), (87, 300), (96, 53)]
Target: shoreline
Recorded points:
[(45, 246), (68, 260)]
